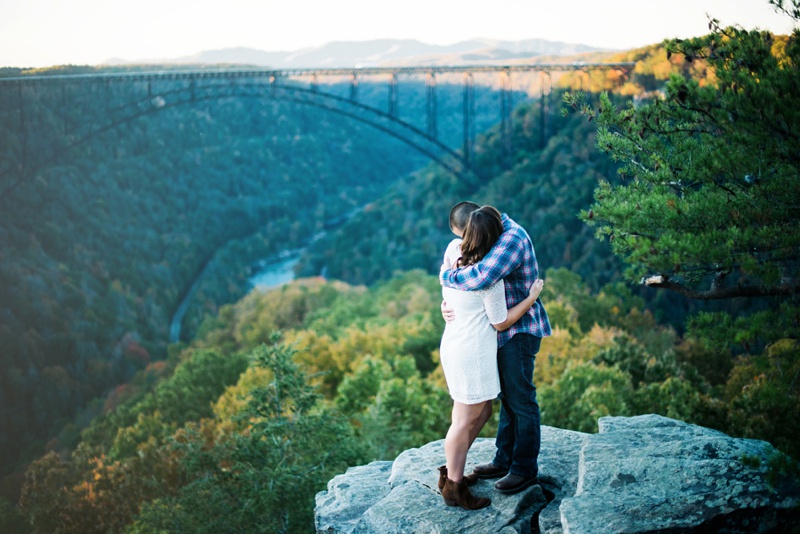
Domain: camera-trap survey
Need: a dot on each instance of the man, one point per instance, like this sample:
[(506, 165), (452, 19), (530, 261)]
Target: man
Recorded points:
[(513, 260)]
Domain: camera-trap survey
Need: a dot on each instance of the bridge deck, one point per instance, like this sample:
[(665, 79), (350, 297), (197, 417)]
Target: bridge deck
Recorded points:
[(286, 73)]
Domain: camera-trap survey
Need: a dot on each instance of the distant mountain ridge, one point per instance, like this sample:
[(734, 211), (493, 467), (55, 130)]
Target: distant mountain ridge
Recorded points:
[(383, 52)]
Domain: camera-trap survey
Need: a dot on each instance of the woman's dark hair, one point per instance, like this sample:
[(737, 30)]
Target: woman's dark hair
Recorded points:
[(483, 228)]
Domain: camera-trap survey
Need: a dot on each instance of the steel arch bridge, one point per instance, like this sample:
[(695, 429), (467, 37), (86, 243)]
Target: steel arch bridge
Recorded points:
[(156, 91)]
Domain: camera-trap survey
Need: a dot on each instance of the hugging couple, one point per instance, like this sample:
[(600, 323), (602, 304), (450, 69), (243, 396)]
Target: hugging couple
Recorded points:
[(495, 324)]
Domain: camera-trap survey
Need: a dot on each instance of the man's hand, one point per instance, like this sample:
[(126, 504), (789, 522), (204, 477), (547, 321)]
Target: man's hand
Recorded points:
[(448, 314)]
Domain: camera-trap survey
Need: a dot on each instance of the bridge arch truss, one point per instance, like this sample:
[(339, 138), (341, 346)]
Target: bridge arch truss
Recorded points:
[(162, 90)]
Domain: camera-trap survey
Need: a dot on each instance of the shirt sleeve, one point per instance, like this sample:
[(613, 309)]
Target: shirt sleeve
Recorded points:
[(494, 302), (504, 257)]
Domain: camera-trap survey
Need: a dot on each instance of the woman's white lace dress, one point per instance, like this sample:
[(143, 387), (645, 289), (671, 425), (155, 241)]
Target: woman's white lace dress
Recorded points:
[(468, 350)]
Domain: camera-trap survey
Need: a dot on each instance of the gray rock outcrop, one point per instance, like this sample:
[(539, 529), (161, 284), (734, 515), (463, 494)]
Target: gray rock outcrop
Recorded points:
[(653, 474), (401, 497), (638, 474)]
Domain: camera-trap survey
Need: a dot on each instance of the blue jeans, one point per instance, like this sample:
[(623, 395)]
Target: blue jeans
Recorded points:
[(519, 433)]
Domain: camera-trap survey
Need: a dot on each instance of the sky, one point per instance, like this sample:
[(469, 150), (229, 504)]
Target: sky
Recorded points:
[(39, 33)]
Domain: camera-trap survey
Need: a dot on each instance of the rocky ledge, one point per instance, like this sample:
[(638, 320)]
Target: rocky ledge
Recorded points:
[(638, 474)]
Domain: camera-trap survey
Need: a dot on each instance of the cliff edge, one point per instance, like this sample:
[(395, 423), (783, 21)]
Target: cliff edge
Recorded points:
[(637, 474)]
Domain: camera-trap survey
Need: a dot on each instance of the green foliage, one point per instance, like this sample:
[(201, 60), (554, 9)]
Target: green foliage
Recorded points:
[(262, 478), (408, 229), (713, 364), (230, 435), (100, 245), (751, 461), (707, 207), (91, 493), (280, 429), (781, 467), (11, 520), (747, 332), (371, 351), (673, 397), (711, 190), (584, 393), (622, 363), (186, 395), (608, 307), (407, 411), (358, 390), (764, 398)]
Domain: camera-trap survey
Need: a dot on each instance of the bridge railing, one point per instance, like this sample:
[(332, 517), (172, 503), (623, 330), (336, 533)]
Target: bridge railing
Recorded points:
[(310, 72)]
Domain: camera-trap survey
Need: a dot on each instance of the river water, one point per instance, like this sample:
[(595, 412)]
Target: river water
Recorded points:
[(271, 272), (276, 272)]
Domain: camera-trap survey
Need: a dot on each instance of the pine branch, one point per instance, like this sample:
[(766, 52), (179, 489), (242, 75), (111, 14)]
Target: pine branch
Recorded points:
[(717, 293)]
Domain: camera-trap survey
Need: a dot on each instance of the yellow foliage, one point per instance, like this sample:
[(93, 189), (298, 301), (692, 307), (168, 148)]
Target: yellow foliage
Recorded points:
[(563, 348), (259, 314), (235, 397), (553, 356), (436, 377), (316, 358), (601, 338)]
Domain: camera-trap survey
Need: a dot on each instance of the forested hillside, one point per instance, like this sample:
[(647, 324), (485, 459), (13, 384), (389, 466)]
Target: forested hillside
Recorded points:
[(100, 244), (240, 430), (551, 177), (237, 429)]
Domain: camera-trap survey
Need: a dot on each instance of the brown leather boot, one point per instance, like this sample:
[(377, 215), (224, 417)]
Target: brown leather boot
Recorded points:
[(458, 494), (471, 479), (490, 470)]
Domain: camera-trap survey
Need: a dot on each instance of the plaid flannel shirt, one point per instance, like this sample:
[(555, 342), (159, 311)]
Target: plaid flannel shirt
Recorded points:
[(513, 260)]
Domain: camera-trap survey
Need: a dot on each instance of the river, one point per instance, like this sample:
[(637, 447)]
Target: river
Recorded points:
[(276, 271), (273, 271)]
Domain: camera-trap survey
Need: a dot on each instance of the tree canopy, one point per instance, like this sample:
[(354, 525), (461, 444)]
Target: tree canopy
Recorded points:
[(710, 197), (708, 204)]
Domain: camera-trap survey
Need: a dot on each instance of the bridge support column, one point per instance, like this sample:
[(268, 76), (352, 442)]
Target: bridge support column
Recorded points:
[(544, 92), (430, 101), (393, 95), (620, 78), (354, 87), (24, 144), (505, 112), (469, 115), (64, 108)]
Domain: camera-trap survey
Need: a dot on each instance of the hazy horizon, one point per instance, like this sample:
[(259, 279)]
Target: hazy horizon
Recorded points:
[(40, 33), (449, 48)]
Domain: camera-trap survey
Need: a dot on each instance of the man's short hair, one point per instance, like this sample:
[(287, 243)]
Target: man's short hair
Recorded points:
[(459, 214)]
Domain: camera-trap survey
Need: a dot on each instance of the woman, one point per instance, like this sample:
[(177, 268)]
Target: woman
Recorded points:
[(468, 353)]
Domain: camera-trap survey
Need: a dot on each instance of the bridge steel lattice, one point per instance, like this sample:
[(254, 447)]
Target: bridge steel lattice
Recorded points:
[(165, 89)]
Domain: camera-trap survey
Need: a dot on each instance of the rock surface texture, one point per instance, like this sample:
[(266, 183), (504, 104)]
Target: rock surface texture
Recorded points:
[(638, 474), (653, 474)]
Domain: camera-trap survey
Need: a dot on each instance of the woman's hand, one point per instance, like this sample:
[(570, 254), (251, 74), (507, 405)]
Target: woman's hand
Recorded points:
[(536, 288), (448, 313)]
